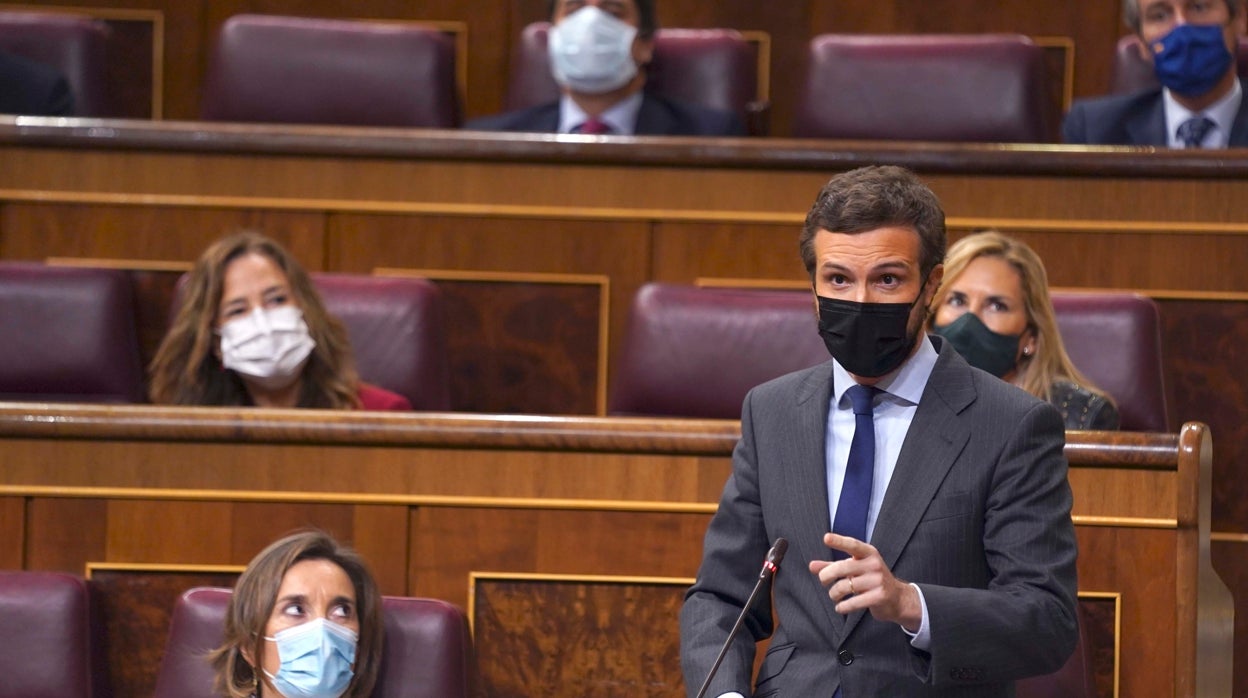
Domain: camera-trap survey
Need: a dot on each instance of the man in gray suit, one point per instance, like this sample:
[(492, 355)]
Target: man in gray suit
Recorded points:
[(963, 577)]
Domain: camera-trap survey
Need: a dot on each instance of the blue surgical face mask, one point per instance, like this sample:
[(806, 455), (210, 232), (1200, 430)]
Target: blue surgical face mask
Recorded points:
[(316, 660), (1192, 58), (981, 347), (591, 51)]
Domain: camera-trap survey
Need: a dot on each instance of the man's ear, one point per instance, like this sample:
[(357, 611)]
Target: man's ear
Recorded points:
[(1142, 48)]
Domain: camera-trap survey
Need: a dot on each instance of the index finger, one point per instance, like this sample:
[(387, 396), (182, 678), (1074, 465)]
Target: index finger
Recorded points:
[(850, 546)]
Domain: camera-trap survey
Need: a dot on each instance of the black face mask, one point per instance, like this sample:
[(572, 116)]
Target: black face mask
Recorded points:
[(980, 346), (867, 339)]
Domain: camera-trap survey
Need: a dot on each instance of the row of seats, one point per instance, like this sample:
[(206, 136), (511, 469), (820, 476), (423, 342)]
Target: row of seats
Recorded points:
[(50, 643), (688, 351), (70, 334), (988, 88)]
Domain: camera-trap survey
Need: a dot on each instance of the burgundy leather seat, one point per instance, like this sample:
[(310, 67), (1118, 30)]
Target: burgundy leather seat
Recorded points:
[(428, 648), (1133, 73), (76, 46), (1115, 340), (713, 68), (46, 638), (322, 71), (69, 335), (397, 332), (696, 352), (979, 88)]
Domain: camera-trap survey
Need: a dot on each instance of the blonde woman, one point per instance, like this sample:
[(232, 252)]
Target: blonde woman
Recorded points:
[(994, 307)]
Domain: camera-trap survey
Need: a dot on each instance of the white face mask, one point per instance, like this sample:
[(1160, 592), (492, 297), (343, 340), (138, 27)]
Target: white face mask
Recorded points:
[(269, 347), (592, 51)]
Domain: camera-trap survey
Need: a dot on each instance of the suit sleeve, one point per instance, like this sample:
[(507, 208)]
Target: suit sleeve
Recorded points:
[(1023, 624), (1074, 126), (733, 550)]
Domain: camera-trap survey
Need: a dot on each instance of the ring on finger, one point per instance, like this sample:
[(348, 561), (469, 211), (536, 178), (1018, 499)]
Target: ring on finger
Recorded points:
[(851, 585)]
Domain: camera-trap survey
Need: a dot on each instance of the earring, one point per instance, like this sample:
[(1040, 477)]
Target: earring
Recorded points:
[(1026, 351)]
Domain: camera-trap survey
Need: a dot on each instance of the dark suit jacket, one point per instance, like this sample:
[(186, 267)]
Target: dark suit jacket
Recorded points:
[(977, 514), (1134, 119), (32, 89), (658, 116)]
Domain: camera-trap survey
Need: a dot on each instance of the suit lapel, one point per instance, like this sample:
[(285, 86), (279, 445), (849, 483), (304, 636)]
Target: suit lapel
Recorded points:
[(1239, 128), (1148, 126), (653, 119), (808, 461), (933, 442)]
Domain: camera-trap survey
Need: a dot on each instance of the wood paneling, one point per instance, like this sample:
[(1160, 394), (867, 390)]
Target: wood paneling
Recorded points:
[(135, 607), (545, 495), (13, 520)]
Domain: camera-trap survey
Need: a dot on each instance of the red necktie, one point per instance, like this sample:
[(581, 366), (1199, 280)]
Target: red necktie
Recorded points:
[(594, 126)]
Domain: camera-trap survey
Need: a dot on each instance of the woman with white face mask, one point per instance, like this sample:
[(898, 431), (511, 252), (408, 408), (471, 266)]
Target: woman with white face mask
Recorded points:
[(304, 622), (252, 331), (993, 306)]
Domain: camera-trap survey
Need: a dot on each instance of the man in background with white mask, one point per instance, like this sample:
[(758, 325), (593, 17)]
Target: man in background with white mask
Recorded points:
[(599, 50), (1192, 45)]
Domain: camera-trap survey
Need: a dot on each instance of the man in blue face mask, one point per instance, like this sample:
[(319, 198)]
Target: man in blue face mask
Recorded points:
[(925, 503), (1192, 47), (598, 52)]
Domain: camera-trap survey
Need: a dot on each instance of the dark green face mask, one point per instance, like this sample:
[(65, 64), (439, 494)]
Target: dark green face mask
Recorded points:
[(980, 346)]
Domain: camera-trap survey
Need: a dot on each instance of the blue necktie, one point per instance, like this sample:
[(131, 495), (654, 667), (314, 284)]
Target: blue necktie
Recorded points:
[(1193, 131), (851, 509)]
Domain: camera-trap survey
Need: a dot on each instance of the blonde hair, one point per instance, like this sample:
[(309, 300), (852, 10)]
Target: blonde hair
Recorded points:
[(255, 595), (187, 371), (1049, 363)]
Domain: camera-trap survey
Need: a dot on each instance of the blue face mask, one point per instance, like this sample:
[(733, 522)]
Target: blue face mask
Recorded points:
[(316, 660), (981, 347), (1191, 59)]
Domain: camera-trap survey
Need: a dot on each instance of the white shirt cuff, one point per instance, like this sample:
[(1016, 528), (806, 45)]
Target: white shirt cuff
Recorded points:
[(922, 639)]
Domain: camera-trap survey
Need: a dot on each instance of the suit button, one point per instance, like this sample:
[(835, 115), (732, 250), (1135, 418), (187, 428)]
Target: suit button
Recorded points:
[(845, 657)]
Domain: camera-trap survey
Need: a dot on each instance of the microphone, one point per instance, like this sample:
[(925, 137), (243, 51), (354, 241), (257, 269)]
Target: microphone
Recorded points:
[(770, 566)]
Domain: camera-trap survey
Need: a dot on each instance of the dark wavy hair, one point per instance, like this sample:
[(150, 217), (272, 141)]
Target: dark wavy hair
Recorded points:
[(647, 20), (187, 369)]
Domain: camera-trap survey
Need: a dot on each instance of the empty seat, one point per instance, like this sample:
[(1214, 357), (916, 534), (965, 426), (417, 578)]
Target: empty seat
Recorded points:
[(428, 648), (714, 68), (979, 88), (696, 352), (397, 333), (1115, 340), (1134, 73), (73, 45), (323, 71), (46, 638), (69, 335)]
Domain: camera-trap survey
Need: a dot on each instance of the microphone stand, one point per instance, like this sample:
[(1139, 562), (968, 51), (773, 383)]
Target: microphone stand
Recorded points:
[(770, 565)]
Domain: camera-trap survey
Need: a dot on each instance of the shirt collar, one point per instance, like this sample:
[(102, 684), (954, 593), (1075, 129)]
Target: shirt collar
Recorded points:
[(621, 116), (906, 383), (1222, 112)]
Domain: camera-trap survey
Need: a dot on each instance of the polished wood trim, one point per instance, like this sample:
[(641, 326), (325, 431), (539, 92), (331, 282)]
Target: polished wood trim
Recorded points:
[(1117, 599), (762, 44), (125, 264), (1228, 537), (1067, 46), (602, 281), (93, 567), (277, 496), (793, 155), (448, 430), (1124, 521), (1075, 226)]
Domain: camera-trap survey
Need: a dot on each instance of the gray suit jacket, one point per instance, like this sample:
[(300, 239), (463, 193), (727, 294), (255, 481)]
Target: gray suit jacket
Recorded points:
[(977, 514)]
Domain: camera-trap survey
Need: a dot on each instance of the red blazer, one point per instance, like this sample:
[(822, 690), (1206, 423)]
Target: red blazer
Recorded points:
[(374, 398)]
